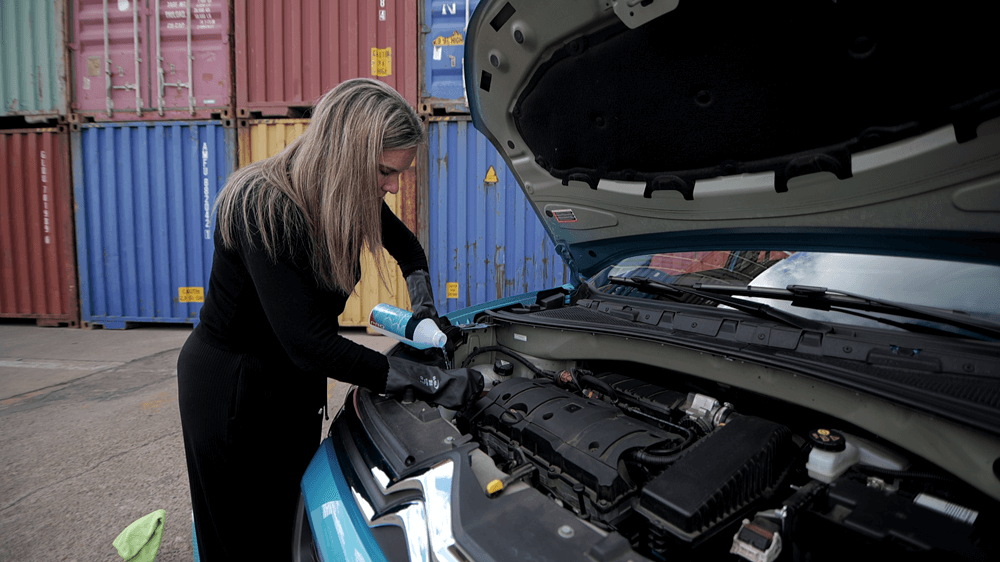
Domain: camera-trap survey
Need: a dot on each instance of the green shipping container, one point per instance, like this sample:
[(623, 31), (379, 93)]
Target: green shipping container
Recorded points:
[(33, 59)]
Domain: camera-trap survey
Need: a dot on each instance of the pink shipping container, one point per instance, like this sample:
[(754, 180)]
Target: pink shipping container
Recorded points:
[(37, 259), (290, 52), (151, 60)]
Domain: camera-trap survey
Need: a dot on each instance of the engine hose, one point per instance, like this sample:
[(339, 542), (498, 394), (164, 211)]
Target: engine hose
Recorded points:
[(655, 459), (512, 355), (600, 385), (688, 434), (879, 471)]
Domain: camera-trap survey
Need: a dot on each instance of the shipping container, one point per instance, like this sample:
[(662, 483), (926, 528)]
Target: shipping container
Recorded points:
[(290, 52), (442, 56), (485, 239), (260, 139), (37, 265), (33, 59), (144, 226), (151, 60)]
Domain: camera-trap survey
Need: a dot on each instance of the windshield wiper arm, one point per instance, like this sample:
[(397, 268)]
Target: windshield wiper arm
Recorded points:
[(821, 298), (754, 308)]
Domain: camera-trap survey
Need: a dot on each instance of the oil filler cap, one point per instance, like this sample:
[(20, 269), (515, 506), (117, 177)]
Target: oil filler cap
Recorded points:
[(827, 440)]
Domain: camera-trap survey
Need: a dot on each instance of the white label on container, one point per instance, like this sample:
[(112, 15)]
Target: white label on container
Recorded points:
[(86, 83), (45, 195), (209, 102), (437, 52), (122, 5), (207, 202), (381, 15), (520, 337)]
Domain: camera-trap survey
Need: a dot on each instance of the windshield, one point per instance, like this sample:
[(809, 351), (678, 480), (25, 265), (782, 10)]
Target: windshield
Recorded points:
[(972, 288)]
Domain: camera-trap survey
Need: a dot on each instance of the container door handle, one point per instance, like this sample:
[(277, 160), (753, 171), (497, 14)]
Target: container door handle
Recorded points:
[(137, 59), (108, 72), (160, 77)]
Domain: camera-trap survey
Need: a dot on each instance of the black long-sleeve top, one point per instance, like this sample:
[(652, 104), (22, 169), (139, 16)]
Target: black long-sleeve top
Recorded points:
[(276, 311)]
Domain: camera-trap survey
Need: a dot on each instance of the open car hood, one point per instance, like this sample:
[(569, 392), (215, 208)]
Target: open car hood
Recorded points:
[(643, 126)]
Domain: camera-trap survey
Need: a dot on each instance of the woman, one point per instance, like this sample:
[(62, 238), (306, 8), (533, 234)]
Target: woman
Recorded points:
[(252, 377)]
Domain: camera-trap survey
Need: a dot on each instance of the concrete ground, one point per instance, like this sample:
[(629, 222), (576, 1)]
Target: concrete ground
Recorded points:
[(90, 439)]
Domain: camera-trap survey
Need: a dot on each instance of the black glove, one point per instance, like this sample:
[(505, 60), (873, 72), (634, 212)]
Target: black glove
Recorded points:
[(451, 389), (418, 283)]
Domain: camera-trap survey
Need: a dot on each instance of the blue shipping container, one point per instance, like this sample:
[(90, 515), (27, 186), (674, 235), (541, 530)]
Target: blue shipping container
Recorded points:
[(144, 225), (485, 240), (442, 83)]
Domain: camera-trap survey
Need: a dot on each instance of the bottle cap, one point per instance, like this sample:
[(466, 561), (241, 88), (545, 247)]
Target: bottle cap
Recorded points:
[(827, 440)]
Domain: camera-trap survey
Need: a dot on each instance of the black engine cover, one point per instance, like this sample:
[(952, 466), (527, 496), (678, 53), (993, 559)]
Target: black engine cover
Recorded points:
[(584, 438)]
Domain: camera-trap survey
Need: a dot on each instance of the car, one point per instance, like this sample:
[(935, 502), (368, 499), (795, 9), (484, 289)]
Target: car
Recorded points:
[(782, 338)]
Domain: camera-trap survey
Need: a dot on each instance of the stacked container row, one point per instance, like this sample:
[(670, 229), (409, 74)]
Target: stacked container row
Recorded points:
[(37, 266), (153, 142), (136, 66)]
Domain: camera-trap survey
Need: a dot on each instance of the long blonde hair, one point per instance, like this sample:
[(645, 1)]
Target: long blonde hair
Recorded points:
[(323, 187)]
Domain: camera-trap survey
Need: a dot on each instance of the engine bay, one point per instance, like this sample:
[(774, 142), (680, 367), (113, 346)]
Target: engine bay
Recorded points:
[(683, 466)]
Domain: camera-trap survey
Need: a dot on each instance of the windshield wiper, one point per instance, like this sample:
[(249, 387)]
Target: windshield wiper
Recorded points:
[(821, 298), (753, 308)]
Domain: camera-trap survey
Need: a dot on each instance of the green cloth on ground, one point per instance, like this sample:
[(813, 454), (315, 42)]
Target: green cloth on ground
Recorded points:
[(140, 541)]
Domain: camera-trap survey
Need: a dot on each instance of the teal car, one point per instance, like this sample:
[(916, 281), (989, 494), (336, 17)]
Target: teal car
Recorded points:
[(782, 338)]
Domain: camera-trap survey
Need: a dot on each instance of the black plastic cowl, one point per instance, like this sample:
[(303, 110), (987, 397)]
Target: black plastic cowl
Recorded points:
[(720, 477)]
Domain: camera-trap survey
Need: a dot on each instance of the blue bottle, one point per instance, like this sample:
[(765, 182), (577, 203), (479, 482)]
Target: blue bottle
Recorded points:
[(400, 324)]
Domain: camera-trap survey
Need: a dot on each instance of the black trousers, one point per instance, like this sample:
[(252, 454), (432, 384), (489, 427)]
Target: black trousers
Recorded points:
[(250, 430)]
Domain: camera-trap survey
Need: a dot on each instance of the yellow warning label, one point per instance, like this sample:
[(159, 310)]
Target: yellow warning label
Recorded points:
[(491, 176), (191, 294), (452, 290), (455, 39), (382, 61)]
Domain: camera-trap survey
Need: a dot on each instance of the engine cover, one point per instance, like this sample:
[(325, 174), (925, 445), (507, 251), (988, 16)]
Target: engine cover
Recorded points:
[(582, 439)]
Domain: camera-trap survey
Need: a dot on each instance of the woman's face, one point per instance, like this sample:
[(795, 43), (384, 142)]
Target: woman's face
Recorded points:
[(390, 165)]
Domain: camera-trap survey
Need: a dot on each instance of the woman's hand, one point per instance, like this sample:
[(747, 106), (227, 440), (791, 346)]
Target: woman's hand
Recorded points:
[(452, 389), (418, 283)]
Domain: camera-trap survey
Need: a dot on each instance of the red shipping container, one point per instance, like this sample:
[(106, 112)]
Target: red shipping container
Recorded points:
[(37, 260), (290, 52), (151, 60)]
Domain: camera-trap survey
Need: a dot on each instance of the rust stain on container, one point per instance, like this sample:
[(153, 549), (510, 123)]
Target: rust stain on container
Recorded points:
[(484, 236), (289, 52), (37, 262)]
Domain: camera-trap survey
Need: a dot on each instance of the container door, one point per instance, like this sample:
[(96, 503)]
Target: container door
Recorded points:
[(191, 72), (32, 62), (144, 195), (37, 268), (111, 48)]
